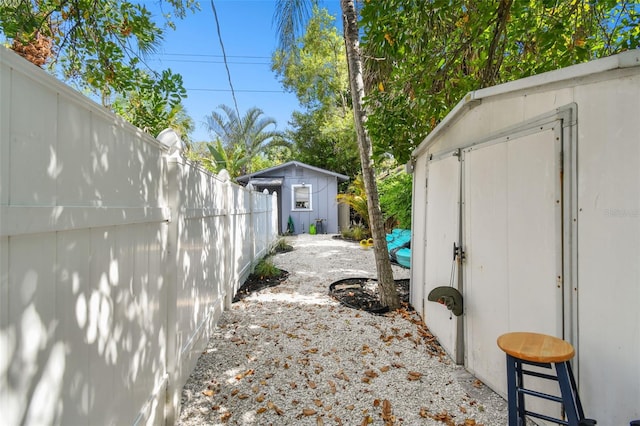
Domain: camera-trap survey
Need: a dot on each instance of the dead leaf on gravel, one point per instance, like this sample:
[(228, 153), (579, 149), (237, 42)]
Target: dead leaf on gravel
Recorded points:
[(308, 411), (443, 417), (371, 374), (424, 413), (341, 375), (413, 375), (470, 422), (243, 396), (261, 410), (208, 392), (234, 392), (311, 384), (350, 407), (398, 365), (260, 398), (477, 383), (385, 368), (387, 415), (319, 421), (275, 408), (332, 386), (463, 410), (224, 417), (244, 374), (366, 421)]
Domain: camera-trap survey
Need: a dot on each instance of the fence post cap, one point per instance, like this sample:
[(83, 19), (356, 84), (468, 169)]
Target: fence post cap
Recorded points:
[(171, 140), (223, 175)]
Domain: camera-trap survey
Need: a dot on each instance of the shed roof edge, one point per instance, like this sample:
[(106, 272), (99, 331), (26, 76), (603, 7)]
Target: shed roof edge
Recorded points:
[(628, 59)]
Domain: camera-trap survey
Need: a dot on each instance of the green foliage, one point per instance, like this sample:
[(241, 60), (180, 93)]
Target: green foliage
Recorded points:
[(96, 43), (356, 199), (156, 104), (316, 71), (325, 140), (231, 159), (423, 57), (282, 246), (266, 269), (98, 46), (357, 232), (395, 199), (247, 136)]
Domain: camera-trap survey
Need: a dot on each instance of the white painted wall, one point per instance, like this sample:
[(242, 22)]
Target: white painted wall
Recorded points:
[(116, 258)]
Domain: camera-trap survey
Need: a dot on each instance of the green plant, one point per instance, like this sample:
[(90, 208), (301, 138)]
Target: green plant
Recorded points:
[(356, 233), (281, 246), (395, 199), (266, 269), (356, 198)]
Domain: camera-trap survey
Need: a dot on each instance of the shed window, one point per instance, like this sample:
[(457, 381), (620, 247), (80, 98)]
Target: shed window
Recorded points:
[(301, 197)]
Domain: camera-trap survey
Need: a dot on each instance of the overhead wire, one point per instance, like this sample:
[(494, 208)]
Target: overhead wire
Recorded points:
[(224, 56)]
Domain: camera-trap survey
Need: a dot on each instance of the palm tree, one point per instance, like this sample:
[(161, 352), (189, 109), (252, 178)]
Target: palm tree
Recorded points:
[(290, 16), (249, 132)]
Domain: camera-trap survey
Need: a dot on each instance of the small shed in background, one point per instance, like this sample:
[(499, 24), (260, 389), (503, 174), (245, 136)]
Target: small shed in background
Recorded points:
[(306, 193), (536, 186)]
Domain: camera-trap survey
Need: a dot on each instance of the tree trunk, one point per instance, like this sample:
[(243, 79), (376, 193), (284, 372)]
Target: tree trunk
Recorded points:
[(386, 285)]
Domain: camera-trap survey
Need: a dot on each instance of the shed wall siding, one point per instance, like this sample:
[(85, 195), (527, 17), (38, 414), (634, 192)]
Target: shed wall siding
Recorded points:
[(604, 233)]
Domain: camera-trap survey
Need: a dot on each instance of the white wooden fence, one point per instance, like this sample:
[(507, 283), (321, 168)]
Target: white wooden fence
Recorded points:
[(116, 258)]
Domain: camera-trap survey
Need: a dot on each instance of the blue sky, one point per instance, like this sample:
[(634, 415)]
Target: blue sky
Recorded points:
[(193, 50)]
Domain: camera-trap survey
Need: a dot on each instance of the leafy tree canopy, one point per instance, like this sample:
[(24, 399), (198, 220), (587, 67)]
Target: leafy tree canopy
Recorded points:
[(323, 134), (423, 57), (317, 72), (250, 133), (97, 45)]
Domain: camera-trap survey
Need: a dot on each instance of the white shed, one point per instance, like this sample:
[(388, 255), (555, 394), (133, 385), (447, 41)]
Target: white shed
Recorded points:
[(538, 181)]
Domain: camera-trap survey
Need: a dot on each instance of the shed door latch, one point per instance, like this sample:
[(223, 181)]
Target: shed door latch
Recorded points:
[(458, 253)]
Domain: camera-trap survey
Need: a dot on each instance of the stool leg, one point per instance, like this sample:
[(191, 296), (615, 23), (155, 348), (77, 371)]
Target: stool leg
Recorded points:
[(519, 386), (514, 379), (568, 395), (575, 390)]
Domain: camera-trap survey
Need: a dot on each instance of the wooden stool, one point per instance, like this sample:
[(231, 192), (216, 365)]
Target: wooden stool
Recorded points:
[(542, 351)]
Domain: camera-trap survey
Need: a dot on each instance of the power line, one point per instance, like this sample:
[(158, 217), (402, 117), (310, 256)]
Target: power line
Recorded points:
[(238, 91), (212, 62), (224, 56), (206, 55)]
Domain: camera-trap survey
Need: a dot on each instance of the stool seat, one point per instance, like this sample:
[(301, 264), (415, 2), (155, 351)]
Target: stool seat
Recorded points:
[(541, 351), (536, 347)]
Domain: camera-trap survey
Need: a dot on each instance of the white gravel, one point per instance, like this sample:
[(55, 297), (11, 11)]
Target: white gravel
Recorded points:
[(291, 355)]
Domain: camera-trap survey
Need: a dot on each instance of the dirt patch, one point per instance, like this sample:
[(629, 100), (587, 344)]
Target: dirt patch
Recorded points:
[(255, 283), (362, 293)]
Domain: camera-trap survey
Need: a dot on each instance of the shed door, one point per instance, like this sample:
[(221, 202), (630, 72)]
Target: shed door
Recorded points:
[(442, 229), (513, 240)]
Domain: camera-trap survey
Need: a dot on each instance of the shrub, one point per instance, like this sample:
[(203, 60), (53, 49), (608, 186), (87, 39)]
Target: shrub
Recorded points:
[(395, 199), (356, 232), (266, 269), (281, 246)]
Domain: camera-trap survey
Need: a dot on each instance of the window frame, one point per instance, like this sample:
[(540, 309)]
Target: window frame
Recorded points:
[(293, 197)]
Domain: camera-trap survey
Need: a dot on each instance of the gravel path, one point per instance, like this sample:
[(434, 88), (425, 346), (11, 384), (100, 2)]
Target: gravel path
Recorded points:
[(291, 355)]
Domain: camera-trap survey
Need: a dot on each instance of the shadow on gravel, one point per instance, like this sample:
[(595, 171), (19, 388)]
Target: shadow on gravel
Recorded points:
[(362, 293)]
